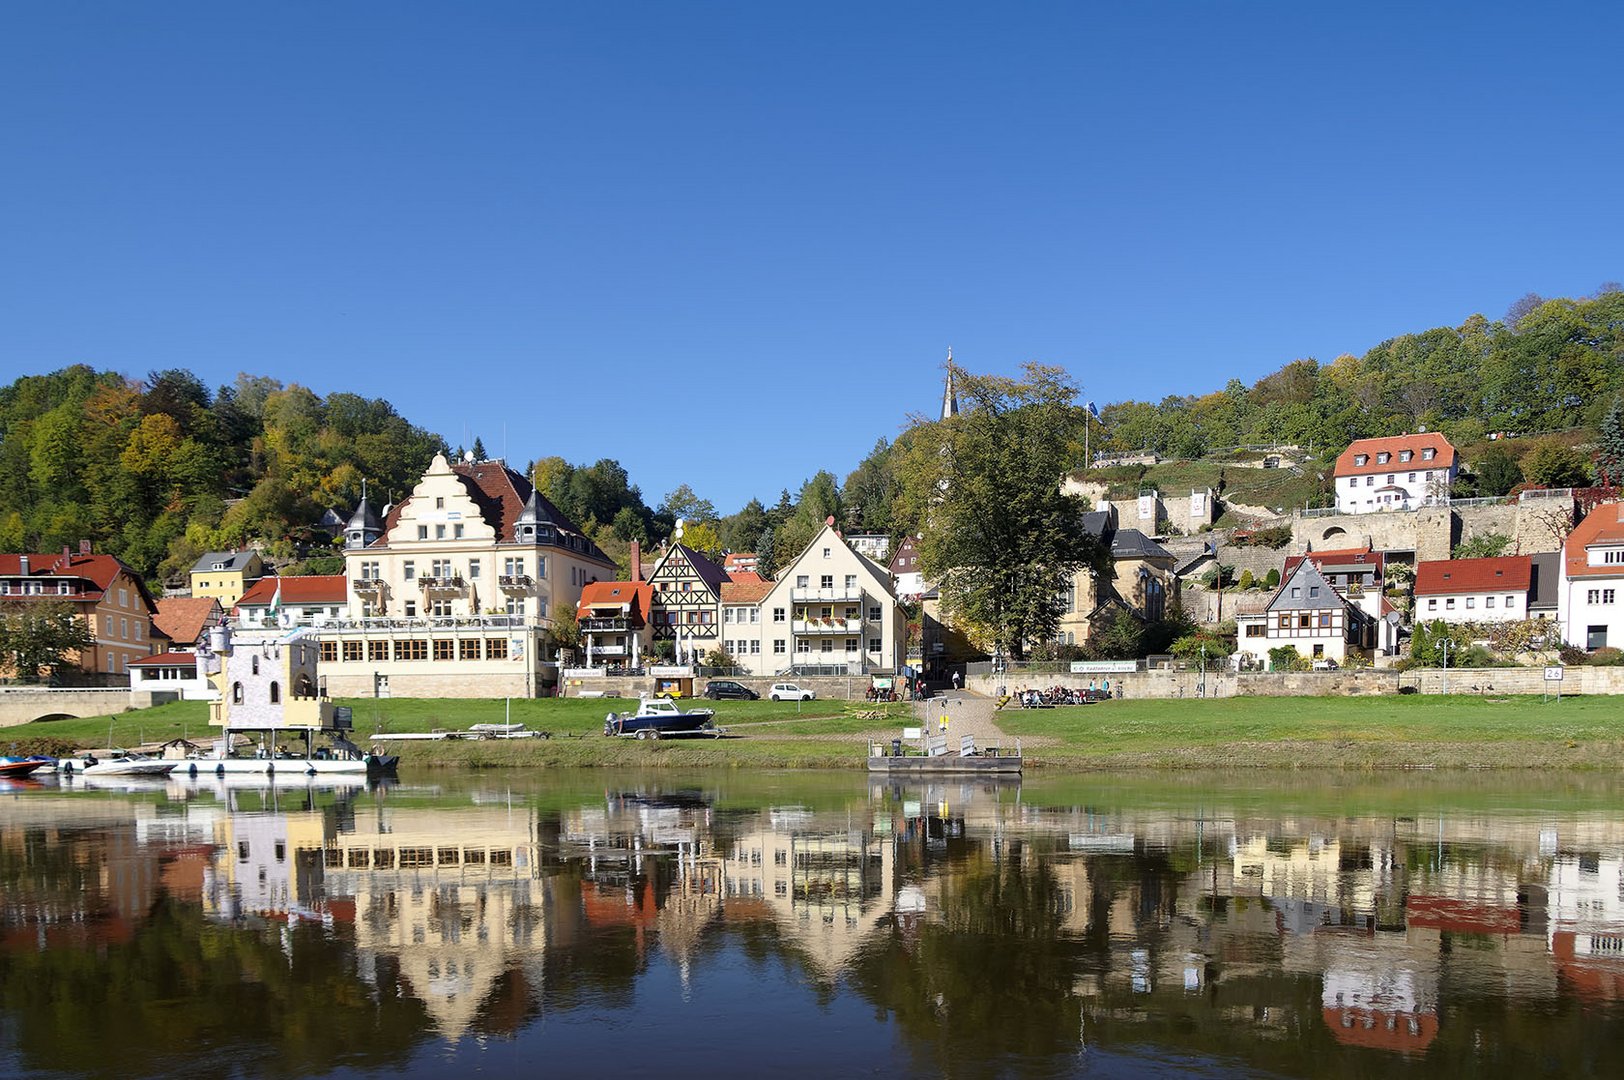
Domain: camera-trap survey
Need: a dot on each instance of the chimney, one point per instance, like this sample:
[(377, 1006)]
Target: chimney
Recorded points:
[(84, 547), (22, 565), (637, 562)]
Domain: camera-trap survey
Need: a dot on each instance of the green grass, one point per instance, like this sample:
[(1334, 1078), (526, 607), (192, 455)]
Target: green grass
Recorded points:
[(1366, 733)]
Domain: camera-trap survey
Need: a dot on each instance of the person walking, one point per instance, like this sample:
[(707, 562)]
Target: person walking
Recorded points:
[(956, 679)]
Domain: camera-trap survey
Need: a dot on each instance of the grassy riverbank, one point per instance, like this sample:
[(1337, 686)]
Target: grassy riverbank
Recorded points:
[(1234, 733)]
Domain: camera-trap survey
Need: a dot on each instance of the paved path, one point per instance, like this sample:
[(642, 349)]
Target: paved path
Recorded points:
[(967, 714)]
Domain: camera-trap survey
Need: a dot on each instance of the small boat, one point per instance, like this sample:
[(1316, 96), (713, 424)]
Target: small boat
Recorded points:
[(340, 758), (17, 767), (116, 763), (658, 717)]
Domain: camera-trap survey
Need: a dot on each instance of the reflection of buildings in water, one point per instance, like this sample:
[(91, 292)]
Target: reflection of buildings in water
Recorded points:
[(455, 897), (266, 863), (1585, 910), (1382, 993)]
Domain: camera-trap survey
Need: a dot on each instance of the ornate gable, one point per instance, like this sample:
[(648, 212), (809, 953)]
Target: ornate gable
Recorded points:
[(440, 503)]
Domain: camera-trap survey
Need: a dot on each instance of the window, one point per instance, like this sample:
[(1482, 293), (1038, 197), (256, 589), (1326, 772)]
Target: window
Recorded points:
[(411, 609), (803, 646), (408, 570), (825, 553), (727, 615), (496, 648), (828, 645), (62, 588), (851, 581), (1412, 478), (444, 649), (1360, 459), (1381, 458), (468, 649), (1353, 481), (1256, 630), (851, 645), (1471, 601), (253, 664), (1370, 481), (1302, 622), (1488, 601), (124, 628), (778, 646), (1313, 591), (422, 532), (1285, 621), (1595, 637), (802, 581), (352, 650), (755, 647), (1325, 620), (1432, 603), (377, 651), (439, 503), (123, 596), (1296, 593), (778, 614), (1511, 600), (439, 532), (329, 652), (440, 609), (514, 606), (875, 614), (755, 616), (411, 650), (874, 644), (276, 692), (541, 606), (541, 567), (1391, 478), (456, 532), (1406, 455), (1449, 604), (1428, 454), (826, 581), (236, 687)]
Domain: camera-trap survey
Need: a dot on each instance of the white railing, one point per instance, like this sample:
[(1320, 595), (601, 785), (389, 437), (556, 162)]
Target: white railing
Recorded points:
[(834, 593), (827, 626), (386, 624)]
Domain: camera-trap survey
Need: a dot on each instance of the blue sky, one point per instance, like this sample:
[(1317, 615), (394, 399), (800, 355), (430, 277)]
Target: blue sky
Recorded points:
[(729, 244)]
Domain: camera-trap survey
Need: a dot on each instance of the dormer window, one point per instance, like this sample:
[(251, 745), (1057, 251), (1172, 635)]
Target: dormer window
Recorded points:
[(1428, 454), (1360, 459), (1406, 455), (1381, 458)]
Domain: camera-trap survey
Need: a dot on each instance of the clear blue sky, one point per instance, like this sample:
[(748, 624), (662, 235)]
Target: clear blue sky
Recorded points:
[(729, 244)]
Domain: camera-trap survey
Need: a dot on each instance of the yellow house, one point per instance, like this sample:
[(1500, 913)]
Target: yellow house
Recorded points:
[(226, 575)]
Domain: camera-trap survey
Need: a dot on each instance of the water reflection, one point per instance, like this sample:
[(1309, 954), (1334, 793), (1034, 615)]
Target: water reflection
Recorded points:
[(970, 928)]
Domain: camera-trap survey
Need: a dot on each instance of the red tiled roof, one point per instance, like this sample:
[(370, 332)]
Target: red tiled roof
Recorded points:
[(1439, 576), (184, 618), (167, 659), (99, 570), (311, 589), (1603, 525), (745, 577), (598, 594), (1444, 458), (740, 591), (737, 561)]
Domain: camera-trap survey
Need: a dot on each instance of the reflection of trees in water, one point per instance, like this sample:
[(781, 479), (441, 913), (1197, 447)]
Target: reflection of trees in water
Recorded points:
[(160, 1002), (992, 977)]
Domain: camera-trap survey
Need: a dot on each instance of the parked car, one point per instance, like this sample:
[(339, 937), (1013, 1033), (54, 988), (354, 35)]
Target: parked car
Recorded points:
[(717, 689), (788, 691)]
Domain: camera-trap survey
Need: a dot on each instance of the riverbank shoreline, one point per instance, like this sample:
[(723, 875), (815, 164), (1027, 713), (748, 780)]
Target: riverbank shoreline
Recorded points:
[(1389, 733)]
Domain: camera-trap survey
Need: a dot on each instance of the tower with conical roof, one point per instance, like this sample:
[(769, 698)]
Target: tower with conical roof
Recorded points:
[(950, 397), (535, 523), (364, 526)]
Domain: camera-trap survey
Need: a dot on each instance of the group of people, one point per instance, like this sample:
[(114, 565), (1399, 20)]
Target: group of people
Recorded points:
[(1032, 698)]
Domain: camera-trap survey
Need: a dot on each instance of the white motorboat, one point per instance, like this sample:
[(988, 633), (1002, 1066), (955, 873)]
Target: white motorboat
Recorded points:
[(114, 763), (341, 758)]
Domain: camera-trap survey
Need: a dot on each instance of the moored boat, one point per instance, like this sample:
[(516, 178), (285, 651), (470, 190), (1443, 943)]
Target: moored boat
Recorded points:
[(18, 767), (115, 763), (659, 717)]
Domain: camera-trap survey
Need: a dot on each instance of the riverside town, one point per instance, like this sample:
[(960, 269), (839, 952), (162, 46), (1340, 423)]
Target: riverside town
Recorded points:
[(501, 570)]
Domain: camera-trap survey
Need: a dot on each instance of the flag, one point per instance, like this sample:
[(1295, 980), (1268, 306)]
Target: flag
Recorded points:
[(1093, 410), (275, 610)]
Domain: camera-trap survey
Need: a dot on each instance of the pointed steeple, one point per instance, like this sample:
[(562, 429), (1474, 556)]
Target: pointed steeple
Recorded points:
[(950, 397), (534, 520), (364, 526)]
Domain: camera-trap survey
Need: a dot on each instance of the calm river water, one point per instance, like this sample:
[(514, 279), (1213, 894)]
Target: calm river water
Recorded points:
[(794, 924)]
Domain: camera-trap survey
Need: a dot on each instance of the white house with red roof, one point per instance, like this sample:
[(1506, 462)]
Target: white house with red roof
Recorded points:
[(180, 673), (613, 617), (1588, 603), (293, 601), (1403, 472), (1474, 590)]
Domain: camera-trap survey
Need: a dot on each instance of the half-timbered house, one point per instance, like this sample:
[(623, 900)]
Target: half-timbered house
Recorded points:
[(686, 603)]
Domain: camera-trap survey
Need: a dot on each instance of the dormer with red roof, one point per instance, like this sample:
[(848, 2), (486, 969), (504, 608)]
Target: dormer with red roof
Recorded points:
[(1402, 472)]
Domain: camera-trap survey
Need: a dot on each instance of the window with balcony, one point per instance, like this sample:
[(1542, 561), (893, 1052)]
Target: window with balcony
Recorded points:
[(826, 581), (442, 568), (851, 582)]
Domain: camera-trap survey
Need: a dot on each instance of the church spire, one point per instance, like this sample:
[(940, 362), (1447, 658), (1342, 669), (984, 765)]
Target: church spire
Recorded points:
[(950, 397)]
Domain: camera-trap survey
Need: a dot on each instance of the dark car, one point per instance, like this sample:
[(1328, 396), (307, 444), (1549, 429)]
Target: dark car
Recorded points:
[(717, 689)]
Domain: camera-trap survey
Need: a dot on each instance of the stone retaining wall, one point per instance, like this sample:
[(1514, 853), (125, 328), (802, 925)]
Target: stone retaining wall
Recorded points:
[(1186, 684)]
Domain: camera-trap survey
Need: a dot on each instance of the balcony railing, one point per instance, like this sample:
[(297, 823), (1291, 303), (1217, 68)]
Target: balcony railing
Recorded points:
[(827, 626), (835, 593), (515, 581), (370, 585), (441, 584), (389, 624), (618, 624)]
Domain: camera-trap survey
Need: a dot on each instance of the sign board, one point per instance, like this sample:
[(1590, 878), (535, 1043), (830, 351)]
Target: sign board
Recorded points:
[(1103, 667), (881, 684), (670, 671), (1553, 674)]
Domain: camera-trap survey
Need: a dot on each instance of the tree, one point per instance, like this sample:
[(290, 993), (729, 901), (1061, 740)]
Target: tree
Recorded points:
[(766, 556), (479, 449), (1610, 455), (1482, 546), (41, 639), (1429, 641), (565, 630), (1550, 464), (999, 536), (684, 504), (1498, 472), (1118, 636), (701, 537)]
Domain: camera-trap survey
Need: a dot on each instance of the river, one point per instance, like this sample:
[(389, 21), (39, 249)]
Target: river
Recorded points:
[(814, 924)]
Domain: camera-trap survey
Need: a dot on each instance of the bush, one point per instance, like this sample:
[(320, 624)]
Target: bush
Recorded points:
[(1246, 581), (1572, 655), (1285, 658), (1271, 580), (1482, 546), (1606, 656), (1190, 646)]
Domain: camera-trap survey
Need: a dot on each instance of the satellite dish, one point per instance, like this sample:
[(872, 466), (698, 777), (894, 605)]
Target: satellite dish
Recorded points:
[(678, 532), (468, 456)]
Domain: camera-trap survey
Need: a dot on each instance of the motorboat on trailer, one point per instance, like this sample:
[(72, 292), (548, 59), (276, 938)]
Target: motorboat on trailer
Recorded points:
[(657, 718)]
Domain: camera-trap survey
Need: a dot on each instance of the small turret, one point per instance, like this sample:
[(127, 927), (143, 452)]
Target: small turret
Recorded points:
[(535, 524), (364, 526)]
